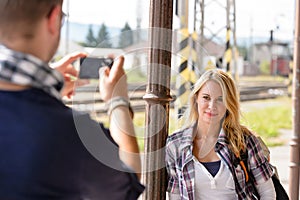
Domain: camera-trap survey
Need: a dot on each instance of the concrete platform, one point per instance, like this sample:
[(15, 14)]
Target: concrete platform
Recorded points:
[(280, 157)]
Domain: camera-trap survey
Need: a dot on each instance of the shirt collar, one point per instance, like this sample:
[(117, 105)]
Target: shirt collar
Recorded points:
[(188, 137), (222, 140)]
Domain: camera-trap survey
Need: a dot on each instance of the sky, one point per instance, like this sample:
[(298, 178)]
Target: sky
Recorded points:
[(263, 15), (111, 12), (253, 17)]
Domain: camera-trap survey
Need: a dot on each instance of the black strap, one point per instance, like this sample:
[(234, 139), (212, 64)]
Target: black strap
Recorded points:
[(236, 182), (279, 189), (251, 181)]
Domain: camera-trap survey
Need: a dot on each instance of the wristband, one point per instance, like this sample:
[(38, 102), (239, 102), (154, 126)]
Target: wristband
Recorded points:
[(115, 102)]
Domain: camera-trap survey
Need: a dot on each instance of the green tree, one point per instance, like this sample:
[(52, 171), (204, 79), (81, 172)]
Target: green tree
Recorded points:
[(103, 37), (91, 41), (126, 38)]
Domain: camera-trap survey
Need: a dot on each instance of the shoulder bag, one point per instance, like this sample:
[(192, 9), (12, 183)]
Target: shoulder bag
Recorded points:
[(280, 191)]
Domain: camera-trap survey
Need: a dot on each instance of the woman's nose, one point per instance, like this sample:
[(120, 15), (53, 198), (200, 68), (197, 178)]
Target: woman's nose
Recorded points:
[(211, 104)]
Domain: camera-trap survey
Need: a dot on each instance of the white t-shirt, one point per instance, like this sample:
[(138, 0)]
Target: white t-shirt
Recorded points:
[(208, 187)]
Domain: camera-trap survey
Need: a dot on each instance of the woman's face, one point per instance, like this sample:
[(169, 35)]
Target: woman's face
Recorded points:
[(211, 107)]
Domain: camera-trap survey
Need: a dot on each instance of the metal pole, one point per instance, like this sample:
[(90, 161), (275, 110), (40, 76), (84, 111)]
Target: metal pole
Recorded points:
[(67, 28), (157, 99), (202, 67), (199, 28), (235, 53), (228, 50), (295, 141), (182, 81)]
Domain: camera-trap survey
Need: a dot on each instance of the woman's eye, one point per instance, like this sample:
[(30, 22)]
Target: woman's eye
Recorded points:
[(206, 98)]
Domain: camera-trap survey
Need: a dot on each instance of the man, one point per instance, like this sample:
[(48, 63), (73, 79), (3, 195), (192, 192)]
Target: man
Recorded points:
[(47, 150)]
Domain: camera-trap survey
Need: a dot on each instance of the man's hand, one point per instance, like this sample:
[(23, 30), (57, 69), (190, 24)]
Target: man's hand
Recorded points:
[(113, 82), (65, 67)]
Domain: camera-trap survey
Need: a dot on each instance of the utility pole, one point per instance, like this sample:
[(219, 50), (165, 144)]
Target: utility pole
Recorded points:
[(295, 141), (202, 11), (234, 47), (157, 98), (183, 50), (137, 33), (67, 28), (138, 20), (199, 14)]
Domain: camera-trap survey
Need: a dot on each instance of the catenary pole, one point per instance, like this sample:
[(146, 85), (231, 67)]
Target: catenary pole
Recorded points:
[(295, 141), (67, 28), (157, 99)]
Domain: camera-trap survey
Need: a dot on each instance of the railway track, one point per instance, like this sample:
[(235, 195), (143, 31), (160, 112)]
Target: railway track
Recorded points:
[(87, 98)]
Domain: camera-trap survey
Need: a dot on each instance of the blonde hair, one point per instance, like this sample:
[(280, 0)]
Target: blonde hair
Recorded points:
[(231, 123)]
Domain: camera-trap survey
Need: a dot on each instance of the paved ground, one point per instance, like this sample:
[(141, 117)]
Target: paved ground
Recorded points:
[(280, 157)]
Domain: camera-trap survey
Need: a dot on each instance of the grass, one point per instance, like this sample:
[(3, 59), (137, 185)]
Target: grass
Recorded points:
[(267, 120)]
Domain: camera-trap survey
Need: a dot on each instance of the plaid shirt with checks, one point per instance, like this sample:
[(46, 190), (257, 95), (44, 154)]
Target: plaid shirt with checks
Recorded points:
[(181, 172), (24, 69)]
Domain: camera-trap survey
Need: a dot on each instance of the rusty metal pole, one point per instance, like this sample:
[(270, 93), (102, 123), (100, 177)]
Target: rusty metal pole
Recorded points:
[(157, 98), (295, 141)]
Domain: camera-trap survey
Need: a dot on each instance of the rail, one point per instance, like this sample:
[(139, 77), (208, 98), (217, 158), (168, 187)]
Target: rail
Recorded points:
[(88, 99)]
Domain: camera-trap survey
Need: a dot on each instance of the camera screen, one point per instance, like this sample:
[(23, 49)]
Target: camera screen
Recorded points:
[(89, 67)]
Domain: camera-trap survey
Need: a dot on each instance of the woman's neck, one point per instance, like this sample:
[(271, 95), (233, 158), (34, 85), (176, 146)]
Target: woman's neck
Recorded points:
[(204, 142), (206, 130)]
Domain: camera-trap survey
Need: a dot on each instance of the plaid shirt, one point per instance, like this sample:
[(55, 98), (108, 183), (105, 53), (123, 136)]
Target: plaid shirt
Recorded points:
[(24, 69), (180, 167)]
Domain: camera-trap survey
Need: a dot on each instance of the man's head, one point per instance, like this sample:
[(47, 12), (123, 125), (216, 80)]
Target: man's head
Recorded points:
[(28, 20)]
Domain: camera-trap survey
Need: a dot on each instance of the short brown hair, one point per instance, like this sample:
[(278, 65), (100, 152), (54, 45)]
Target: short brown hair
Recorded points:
[(22, 15)]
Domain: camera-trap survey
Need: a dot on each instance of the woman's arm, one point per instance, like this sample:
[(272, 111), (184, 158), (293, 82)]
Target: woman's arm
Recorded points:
[(266, 190), (173, 183), (260, 168)]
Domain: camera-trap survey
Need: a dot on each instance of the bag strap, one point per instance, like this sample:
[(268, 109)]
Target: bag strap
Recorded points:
[(249, 177), (242, 160), (279, 189)]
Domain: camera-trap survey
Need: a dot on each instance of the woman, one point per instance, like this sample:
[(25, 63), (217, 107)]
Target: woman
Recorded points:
[(201, 157)]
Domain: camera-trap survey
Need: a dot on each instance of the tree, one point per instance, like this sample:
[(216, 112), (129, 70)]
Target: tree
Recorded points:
[(91, 41), (103, 37), (126, 38)]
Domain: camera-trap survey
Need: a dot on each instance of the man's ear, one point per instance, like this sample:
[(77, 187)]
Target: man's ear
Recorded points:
[(54, 19)]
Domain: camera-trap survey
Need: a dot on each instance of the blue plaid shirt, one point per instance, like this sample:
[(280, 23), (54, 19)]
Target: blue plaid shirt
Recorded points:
[(181, 172)]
